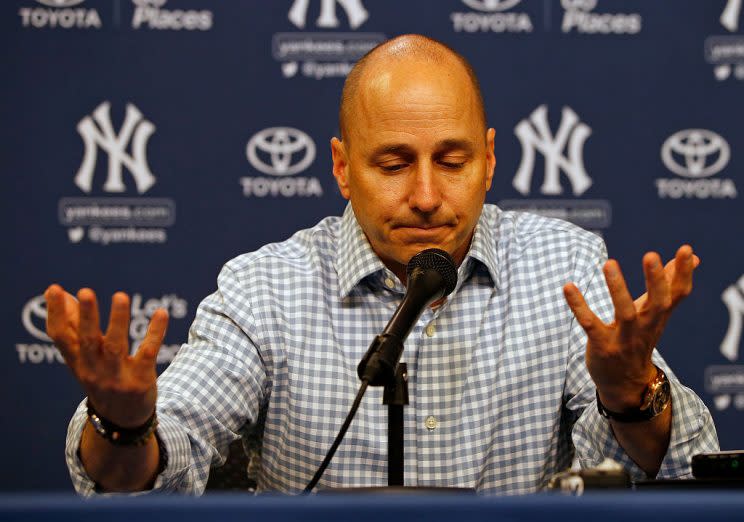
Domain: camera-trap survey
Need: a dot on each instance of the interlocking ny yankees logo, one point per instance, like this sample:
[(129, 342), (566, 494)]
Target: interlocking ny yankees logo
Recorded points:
[(355, 12), (730, 15), (534, 133), (134, 128), (733, 298)]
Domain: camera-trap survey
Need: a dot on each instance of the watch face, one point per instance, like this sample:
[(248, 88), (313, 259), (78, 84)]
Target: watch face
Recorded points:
[(661, 398)]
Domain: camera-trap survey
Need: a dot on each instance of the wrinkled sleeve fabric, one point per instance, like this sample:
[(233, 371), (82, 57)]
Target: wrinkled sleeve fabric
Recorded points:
[(693, 430), (215, 386)]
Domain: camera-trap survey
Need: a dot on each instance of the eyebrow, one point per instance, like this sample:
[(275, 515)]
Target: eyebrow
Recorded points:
[(407, 151), (399, 150), (383, 152), (455, 144)]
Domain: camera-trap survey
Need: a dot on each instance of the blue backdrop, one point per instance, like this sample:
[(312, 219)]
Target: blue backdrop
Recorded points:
[(145, 142)]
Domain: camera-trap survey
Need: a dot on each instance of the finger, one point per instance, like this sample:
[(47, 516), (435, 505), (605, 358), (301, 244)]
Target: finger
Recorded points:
[(90, 331), (684, 265), (657, 285), (57, 320), (72, 309), (625, 312), (148, 350), (586, 318), (670, 266), (117, 333)]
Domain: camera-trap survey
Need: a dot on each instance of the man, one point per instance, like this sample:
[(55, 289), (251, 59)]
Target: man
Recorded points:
[(507, 375)]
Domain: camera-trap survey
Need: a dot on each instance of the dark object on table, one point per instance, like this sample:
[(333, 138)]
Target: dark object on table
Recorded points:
[(608, 475), (724, 465)]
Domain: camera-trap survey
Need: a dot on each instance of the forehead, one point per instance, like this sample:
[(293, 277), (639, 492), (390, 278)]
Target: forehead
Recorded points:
[(411, 99)]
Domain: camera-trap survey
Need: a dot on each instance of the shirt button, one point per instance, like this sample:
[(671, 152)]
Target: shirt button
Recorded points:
[(430, 330), (431, 423), (389, 283)]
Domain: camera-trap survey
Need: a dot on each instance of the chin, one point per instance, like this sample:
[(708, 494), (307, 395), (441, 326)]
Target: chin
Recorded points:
[(412, 250)]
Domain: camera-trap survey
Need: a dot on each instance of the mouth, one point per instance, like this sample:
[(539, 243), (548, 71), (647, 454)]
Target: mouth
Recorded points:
[(423, 227), (423, 232)]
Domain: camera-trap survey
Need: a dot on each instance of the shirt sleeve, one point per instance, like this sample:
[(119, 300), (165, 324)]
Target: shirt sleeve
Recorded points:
[(692, 430), (215, 386)]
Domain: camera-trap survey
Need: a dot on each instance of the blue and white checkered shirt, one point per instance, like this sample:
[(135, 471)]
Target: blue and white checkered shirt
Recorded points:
[(500, 398)]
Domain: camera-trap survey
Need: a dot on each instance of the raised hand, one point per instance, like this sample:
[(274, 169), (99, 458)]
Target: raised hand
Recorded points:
[(121, 387), (618, 355)]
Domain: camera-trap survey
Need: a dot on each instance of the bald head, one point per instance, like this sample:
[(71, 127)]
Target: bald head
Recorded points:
[(396, 53)]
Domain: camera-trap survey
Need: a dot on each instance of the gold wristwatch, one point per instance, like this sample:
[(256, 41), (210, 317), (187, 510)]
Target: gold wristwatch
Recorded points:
[(654, 400)]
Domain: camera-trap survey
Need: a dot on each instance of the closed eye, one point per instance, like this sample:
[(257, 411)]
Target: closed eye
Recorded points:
[(452, 164), (395, 167)]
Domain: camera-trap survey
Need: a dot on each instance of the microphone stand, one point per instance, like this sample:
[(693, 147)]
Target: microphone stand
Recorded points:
[(395, 396), (380, 367), (434, 275)]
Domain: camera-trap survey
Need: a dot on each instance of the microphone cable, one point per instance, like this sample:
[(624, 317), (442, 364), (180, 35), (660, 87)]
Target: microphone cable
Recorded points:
[(339, 437)]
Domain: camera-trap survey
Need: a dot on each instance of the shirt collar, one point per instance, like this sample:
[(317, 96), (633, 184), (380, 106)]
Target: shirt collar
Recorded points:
[(483, 247), (356, 259)]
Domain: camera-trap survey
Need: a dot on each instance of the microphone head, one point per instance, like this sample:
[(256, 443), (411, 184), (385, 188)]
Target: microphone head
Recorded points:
[(439, 261)]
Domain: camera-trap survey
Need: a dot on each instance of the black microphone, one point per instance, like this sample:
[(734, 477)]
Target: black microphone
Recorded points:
[(431, 275)]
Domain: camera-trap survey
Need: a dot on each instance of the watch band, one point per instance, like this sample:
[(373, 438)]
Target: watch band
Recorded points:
[(119, 436), (654, 400)]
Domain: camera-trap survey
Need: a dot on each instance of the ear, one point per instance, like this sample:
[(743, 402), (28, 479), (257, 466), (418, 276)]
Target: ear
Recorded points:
[(490, 157), (340, 166)]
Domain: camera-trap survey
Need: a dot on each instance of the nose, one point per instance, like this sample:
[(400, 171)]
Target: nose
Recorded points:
[(424, 193)]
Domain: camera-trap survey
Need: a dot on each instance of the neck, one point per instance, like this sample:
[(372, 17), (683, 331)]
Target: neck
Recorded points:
[(399, 269)]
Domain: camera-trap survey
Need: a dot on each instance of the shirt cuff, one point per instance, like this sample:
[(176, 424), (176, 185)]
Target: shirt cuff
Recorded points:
[(692, 432), (174, 442)]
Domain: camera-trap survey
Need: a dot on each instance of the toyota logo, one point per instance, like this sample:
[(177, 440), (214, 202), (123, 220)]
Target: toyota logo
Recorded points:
[(35, 312), (695, 153), (60, 3), (280, 151), (491, 5)]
